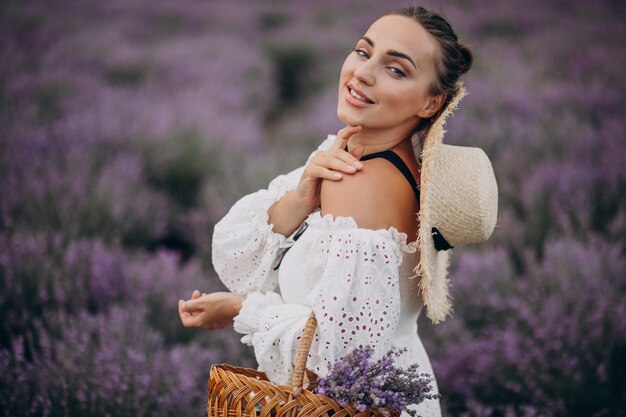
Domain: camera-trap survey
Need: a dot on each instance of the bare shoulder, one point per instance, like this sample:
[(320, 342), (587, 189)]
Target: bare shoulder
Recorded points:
[(377, 197)]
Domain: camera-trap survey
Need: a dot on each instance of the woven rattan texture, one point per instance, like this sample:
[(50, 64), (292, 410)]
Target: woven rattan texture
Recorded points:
[(243, 392)]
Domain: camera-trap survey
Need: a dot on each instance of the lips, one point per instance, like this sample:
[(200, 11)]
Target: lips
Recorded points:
[(357, 96)]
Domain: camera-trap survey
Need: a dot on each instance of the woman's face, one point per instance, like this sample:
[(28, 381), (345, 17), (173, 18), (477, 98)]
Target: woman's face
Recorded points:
[(384, 82)]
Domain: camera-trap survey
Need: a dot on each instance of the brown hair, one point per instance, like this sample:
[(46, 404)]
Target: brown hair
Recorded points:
[(454, 59)]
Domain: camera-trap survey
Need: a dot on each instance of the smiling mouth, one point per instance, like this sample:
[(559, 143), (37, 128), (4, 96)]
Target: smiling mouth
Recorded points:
[(359, 97)]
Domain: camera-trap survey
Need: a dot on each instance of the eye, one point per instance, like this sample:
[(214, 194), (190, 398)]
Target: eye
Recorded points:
[(397, 72), (361, 53)]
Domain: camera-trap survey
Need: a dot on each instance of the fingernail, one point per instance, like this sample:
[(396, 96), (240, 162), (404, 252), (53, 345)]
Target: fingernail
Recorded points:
[(350, 168), (358, 164), (337, 175)]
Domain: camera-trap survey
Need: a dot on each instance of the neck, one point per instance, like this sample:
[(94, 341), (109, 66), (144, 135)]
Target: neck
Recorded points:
[(374, 140)]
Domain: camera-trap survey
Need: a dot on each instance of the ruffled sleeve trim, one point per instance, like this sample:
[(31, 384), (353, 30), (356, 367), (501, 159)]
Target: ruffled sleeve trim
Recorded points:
[(247, 321), (327, 221), (245, 245)]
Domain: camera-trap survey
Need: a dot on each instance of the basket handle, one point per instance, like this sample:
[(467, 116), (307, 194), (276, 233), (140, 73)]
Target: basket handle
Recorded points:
[(303, 351)]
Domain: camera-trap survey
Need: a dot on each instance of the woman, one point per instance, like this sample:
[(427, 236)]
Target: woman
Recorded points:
[(346, 216)]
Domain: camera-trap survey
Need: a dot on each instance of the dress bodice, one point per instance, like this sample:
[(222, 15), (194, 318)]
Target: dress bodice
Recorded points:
[(303, 264), (358, 282)]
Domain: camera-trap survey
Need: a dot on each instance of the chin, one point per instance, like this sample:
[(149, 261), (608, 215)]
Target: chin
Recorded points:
[(347, 118)]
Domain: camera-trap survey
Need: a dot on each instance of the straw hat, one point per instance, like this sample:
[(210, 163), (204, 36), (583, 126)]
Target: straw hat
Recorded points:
[(458, 206)]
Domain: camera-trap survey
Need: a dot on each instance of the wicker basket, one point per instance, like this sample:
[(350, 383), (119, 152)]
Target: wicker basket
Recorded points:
[(243, 392)]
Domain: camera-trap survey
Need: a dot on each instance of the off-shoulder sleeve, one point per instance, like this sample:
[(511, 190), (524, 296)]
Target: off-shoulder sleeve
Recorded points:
[(245, 246), (357, 303)]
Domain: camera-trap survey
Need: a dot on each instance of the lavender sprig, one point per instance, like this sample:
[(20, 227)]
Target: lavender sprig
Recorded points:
[(361, 382)]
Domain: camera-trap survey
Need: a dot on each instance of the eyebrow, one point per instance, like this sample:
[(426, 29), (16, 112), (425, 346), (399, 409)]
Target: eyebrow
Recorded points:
[(391, 52)]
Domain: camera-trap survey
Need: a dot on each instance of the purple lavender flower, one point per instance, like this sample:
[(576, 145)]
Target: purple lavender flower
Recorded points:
[(357, 380), (95, 125)]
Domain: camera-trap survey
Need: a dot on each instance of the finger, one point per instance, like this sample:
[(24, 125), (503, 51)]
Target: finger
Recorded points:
[(328, 174), (339, 160), (351, 158), (181, 311), (195, 294), (192, 321), (188, 320), (338, 138), (344, 135), (317, 172), (191, 306), (343, 162)]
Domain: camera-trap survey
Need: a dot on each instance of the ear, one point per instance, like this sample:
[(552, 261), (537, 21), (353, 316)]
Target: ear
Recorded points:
[(432, 106)]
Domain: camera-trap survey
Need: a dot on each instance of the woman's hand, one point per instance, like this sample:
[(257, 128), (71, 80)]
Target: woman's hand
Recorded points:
[(331, 165), (289, 212), (210, 311)]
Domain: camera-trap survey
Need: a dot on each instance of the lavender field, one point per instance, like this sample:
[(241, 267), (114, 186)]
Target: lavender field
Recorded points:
[(128, 128)]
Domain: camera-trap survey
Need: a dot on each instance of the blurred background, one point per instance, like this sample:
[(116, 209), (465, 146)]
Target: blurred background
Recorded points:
[(129, 127)]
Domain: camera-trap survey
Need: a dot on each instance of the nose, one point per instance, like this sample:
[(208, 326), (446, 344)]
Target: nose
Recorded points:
[(365, 72)]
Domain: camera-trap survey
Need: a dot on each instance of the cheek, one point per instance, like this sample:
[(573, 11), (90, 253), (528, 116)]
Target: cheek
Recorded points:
[(348, 68), (400, 98)]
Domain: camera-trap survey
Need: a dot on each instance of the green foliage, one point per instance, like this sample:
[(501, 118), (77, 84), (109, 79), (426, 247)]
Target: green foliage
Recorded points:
[(273, 19), (180, 165), (293, 66), (129, 75), (48, 99)]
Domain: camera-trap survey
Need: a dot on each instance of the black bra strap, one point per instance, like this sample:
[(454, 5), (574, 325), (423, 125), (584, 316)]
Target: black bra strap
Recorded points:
[(393, 157)]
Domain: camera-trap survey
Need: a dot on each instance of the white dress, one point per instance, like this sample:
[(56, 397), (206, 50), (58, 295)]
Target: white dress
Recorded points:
[(356, 280)]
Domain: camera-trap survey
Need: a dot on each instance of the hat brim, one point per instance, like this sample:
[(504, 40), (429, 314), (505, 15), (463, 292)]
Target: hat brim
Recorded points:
[(432, 269)]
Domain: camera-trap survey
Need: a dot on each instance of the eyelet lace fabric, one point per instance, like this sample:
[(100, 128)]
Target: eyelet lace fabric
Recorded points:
[(357, 281)]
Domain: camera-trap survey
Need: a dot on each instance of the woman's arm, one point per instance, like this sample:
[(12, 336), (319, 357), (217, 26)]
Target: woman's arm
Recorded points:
[(247, 240), (245, 246), (288, 213), (356, 303), (330, 164), (251, 236), (357, 299), (210, 311)]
